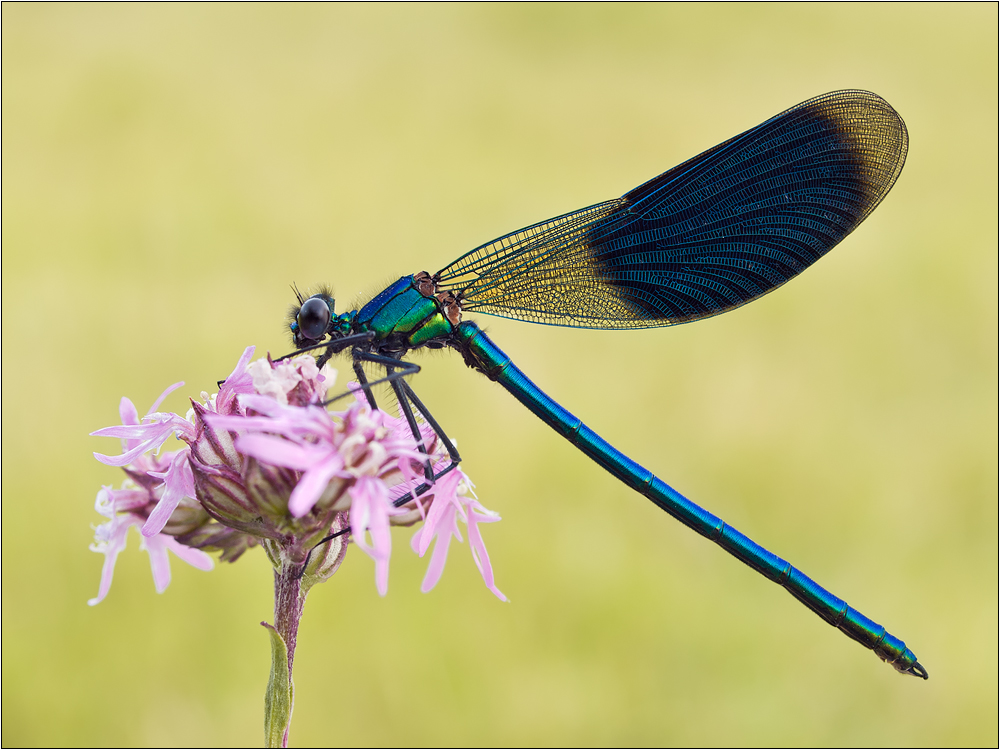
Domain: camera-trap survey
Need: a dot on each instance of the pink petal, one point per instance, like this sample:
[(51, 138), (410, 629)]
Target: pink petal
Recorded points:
[(129, 456), (440, 555), (312, 484), (130, 431), (105, 503), (157, 548), (110, 547), (153, 435), (238, 382), (241, 366), (129, 499), (430, 528), (289, 421), (262, 404), (178, 483), (479, 553), (170, 389), (193, 557), (127, 412), (281, 452), (159, 561), (444, 499), (370, 510), (382, 575)]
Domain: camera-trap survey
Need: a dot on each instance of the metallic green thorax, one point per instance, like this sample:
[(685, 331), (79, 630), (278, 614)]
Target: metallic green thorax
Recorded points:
[(402, 317)]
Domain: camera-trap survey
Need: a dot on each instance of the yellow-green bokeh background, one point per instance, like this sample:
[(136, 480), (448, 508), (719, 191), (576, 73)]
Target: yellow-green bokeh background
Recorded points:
[(168, 171)]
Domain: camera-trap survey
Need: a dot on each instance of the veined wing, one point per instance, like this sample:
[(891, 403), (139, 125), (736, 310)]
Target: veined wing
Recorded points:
[(709, 235)]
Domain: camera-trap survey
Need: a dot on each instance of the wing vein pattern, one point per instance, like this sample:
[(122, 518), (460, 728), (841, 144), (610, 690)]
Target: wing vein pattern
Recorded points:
[(709, 235)]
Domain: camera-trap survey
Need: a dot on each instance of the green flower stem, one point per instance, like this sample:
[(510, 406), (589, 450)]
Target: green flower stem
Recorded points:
[(289, 600)]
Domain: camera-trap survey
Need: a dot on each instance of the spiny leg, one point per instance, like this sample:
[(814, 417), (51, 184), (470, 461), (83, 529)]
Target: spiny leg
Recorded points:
[(334, 346), (407, 411), (392, 366), (321, 542), (395, 370), (453, 456), (403, 369), (359, 373), (405, 396)]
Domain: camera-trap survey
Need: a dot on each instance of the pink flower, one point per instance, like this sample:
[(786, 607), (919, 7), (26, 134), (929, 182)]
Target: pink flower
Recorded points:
[(265, 462), (451, 504), (139, 437), (119, 507), (370, 510)]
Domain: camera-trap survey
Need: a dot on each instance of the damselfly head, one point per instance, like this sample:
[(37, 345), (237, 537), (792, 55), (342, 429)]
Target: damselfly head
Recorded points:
[(309, 321)]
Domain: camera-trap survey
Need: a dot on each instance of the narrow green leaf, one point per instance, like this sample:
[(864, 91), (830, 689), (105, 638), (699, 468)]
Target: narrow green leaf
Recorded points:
[(279, 695)]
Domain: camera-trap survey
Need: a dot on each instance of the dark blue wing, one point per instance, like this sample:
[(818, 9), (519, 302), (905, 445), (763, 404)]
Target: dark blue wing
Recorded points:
[(711, 234)]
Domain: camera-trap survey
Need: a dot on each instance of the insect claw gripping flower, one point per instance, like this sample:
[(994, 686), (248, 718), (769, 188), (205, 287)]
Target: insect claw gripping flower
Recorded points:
[(264, 462)]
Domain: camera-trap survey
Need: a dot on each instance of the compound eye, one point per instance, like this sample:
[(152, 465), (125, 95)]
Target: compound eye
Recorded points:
[(313, 318)]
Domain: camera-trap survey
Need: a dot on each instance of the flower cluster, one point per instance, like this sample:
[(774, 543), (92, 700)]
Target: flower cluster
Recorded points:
[(264, 462)]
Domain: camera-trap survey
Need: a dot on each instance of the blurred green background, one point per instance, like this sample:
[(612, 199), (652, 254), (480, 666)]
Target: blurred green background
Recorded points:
[(169, 171)]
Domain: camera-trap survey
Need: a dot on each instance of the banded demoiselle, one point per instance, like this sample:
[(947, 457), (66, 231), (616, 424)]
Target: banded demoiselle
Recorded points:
[(705, 237)]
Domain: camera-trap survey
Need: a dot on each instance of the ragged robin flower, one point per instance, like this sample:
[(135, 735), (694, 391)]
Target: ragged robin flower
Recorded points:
[(265, 462)]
